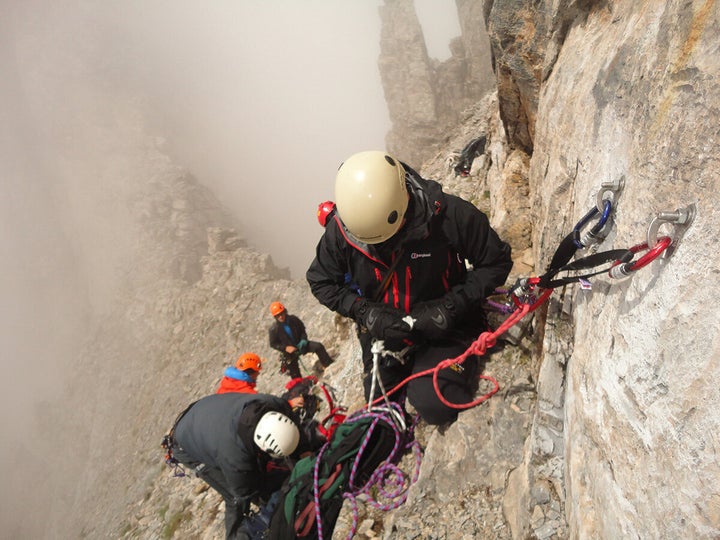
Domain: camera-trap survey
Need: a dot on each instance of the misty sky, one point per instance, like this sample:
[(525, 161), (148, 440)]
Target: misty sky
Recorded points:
[(264, 100), (260, 100)]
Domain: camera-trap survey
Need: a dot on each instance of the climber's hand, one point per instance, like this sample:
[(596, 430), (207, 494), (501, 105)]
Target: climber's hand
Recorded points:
[(382, 321), (435, 318)]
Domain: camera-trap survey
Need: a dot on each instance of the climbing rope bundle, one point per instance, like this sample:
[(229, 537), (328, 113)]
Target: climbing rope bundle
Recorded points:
[(360, 461)]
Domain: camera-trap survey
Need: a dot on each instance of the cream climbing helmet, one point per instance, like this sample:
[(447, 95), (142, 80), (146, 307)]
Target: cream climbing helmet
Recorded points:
[(371, 196), (277, 434)]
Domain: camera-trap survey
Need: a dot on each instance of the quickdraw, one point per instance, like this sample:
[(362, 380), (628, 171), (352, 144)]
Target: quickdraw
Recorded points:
[(606, 196), (622, 269), (527, 294), (605, 201)]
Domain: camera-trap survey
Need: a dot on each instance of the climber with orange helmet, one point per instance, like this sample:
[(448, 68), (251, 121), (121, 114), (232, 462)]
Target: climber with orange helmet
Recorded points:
[(288, 336), (242, 377)]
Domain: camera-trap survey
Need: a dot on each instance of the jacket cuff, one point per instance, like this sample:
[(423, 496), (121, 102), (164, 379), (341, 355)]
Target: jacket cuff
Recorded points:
[(346, 305)]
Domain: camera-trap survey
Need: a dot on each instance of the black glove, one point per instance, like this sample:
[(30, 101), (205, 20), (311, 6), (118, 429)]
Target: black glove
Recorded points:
[(435, 318), (382, 321)]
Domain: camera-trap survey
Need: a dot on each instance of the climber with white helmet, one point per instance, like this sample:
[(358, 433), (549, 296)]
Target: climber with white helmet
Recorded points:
[(405, 243), (229, 439), (288, 336)]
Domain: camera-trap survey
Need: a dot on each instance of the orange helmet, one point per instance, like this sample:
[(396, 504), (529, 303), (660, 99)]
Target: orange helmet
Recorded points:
[(324, 210), (276, 308), (249, 361)]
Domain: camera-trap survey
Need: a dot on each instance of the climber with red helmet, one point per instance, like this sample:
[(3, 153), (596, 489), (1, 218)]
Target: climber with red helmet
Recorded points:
[(406, 245), (325, 212), (288, 336)]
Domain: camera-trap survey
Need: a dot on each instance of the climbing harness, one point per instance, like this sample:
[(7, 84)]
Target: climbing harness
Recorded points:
[(167, 444)]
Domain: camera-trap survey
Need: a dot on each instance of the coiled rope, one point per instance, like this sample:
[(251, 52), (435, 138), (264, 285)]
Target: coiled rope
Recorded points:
[(388, 480)]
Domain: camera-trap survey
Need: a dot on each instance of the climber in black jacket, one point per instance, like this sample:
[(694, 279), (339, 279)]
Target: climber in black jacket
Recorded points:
[(288, 336), (229, 439), (405, 243)]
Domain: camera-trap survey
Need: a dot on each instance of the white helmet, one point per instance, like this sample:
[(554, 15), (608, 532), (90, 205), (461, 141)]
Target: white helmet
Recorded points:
[(371, 196), (277, 434)]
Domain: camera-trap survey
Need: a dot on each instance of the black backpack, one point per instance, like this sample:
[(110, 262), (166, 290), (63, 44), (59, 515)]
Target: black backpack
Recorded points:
[(346, 463)]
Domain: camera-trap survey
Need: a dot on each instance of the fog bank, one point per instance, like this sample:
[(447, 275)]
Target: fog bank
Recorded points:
[(260, 101)]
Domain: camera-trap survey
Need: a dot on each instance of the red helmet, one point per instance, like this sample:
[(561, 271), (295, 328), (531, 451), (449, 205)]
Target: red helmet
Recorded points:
[(324, 210), (249, 361), (276, 308)]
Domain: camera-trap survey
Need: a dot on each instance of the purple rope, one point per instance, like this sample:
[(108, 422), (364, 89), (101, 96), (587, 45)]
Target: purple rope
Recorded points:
[(502, 308), (316, 489), (387, 474)]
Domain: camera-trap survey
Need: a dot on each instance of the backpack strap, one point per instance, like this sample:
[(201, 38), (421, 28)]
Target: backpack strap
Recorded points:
[(306, 519)]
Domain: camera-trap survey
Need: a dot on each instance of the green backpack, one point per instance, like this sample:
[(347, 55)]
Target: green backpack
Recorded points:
[(346, 463)]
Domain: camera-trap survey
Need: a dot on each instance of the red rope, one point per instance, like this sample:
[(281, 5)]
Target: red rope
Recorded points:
[(478, 347)]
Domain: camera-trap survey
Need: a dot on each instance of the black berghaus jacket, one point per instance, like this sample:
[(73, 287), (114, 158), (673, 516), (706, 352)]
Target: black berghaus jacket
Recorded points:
[(440, 233)]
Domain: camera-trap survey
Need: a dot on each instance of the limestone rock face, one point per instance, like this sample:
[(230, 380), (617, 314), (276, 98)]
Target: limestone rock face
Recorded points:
[(587, 94), (526, 39), (425, 97), (625, 91)]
